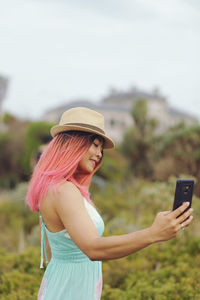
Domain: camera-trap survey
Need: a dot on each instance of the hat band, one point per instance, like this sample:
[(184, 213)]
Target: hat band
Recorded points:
[(87, 126)]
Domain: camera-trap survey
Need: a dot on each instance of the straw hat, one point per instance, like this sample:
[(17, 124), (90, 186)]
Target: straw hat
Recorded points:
[(82, 119)]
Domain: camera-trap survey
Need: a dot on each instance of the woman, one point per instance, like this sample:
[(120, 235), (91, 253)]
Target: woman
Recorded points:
[(69, 219)]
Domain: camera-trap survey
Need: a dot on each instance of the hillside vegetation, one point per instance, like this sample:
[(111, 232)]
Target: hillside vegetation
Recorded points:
[(135, 182), (164, 271)]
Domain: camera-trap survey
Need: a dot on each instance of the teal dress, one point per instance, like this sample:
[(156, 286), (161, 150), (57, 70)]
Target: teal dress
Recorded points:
[(70, 274)]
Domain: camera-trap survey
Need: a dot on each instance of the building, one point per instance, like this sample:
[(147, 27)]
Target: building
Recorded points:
[(116, 107)]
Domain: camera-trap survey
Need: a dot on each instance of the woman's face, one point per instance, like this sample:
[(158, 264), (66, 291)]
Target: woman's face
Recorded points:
[(92, 157)]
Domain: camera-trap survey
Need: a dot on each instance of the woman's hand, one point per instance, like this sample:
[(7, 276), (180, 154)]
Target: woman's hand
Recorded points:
[(167, 224)]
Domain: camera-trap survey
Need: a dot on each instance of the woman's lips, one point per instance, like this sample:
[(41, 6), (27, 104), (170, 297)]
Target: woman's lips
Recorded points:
[(94, 162)]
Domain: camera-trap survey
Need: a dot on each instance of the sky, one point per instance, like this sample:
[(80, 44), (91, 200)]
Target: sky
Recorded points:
[(57, 51)]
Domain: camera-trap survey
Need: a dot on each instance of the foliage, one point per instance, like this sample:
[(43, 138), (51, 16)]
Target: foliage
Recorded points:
[(160, 272), (165, 271), (138, 141), (11, 150), (8, 118), (142, 153), (20, 275), (33, 138), (113, 167), (178, 152), (19, 142), (169, 270), (157, 157), (15, 218)]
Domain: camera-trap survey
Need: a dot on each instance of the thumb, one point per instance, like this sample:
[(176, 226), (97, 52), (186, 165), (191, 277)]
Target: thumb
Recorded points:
[(165, 213)]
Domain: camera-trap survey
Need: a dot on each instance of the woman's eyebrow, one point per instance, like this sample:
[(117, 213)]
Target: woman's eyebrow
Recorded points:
[(100, 142)]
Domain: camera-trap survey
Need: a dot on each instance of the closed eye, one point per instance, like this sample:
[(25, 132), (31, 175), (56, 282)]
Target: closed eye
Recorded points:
[(97, 144)]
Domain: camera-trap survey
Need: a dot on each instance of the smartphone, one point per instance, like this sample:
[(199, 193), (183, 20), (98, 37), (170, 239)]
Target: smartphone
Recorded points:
[(183, 193)]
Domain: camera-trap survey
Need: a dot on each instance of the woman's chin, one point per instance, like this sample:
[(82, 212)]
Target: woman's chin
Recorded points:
[(86, 171), (89, 171)]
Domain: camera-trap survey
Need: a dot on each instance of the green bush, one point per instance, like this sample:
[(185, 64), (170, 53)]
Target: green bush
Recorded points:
[(138, 144), (166, 271), (20, 275), (33, 139), (114, 166)]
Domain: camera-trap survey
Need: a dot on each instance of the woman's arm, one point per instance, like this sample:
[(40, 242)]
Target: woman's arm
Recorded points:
[(71, 210)]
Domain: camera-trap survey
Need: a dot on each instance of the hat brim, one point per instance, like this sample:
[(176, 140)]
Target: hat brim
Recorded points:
[(63, 128)]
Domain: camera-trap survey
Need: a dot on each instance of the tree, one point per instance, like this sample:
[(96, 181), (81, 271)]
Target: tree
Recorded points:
[(3, 89), (138, 142), (11, 150), (33, 139), (178, 152)]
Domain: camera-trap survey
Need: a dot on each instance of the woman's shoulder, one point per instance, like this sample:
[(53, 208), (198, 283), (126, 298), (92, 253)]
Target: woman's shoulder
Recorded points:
[(69, 199), (65, 196), (68, 192), (65, 190), (68, 188)]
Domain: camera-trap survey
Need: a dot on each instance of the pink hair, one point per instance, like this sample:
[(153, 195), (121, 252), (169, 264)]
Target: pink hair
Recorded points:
[(59, 163)]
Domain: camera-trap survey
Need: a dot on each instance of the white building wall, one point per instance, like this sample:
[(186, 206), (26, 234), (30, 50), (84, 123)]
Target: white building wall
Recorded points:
[(116, 122), (118, 117)]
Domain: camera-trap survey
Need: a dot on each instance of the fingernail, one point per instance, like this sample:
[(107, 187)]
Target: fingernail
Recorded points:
[(191, 209), (187, 203)]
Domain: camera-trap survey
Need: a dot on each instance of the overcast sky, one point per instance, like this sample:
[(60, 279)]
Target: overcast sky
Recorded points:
[(54, 51)]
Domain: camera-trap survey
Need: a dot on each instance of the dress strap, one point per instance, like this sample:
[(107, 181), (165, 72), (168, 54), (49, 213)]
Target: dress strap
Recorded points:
[(43, 243)]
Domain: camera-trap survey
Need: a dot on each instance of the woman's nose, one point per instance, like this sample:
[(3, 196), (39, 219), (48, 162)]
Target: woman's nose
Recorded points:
[(99, 153)]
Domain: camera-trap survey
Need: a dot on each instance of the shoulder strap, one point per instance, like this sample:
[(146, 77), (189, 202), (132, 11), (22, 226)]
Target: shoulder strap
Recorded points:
[(43, 243)]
